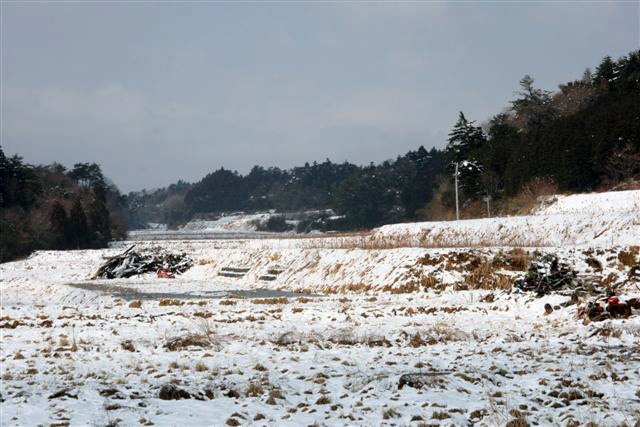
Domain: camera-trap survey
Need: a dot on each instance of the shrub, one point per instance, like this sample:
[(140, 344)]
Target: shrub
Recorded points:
[(275, 223)]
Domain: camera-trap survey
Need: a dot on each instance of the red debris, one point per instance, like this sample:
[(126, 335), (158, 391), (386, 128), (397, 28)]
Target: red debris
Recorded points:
[(164, 274)]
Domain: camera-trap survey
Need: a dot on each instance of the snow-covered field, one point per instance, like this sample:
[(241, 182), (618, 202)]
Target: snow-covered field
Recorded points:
[(84, 352)]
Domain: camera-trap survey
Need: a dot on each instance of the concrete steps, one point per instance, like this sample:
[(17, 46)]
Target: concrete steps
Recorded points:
[(240, 272), (272, 274), (233, 272)]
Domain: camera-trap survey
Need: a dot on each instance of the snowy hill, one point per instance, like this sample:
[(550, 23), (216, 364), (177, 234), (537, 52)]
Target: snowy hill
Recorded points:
[(600, 203), (578, 220)]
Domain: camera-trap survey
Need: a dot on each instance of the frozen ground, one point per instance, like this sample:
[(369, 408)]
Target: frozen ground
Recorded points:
[(84, 352)]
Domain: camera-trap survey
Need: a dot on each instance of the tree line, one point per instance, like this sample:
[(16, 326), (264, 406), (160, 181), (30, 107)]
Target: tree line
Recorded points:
[(50, 207), (584, 136), (581, 137), (346, 196)]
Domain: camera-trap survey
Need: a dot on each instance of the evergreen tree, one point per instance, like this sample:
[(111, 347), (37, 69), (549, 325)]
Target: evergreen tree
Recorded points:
[(359, 197), (99, 219), (87, 174), (463, 138), (59, 224), (533, 108), (78, 227), (629, 71), (421, 176), (469, 178), (605, 72), (217, 192), (19, 185)]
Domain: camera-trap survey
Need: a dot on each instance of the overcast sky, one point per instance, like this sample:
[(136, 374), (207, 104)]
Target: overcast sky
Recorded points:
[(166, 91)]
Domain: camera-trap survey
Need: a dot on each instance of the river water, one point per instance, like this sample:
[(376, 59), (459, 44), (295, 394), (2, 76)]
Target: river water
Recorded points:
[(129, 293)]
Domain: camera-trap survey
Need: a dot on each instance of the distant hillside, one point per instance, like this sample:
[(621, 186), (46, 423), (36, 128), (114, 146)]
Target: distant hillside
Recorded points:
[(581, 137)]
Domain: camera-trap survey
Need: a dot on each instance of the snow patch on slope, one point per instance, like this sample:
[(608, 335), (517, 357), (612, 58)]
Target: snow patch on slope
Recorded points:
[(227, 223), (599, 219), (604, 203)]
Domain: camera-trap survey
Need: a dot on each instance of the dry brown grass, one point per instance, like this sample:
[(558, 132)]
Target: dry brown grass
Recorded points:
[(405, 288), (515, 259), (324, 400), (517, 422), (204, 336), (524, 203), (390, 413), (440, 415), (416, 341), (424, 239), (274, 394), (201, 367), (528, 199), (377, 341), (439, 208), (628, 258), (188, 340), (437, 333), (485, 277), (254, 389), (290, 338), (64, 341), (344, 336), (281, 300), (168, 302), (355, 288)]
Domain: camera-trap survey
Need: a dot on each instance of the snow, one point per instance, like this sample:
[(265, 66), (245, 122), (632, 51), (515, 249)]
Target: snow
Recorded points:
[(625, 202), (600, 219), (236, 223), (383, 312), (156, 226)]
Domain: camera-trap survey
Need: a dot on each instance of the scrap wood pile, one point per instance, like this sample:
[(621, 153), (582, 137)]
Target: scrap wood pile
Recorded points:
[(547, 274), (606, 307), (155, 260), (594, 302)]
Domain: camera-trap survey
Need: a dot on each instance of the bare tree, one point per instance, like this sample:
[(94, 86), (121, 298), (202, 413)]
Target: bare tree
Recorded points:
[(490, 182)]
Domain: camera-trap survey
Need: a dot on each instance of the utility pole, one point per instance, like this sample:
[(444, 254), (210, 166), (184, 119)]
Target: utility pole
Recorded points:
[(456, 180), (487, 199)]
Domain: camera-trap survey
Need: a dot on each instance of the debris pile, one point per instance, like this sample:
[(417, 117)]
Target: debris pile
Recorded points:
[(608, 307), (155, 260), (547, 274), (594, 302)]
